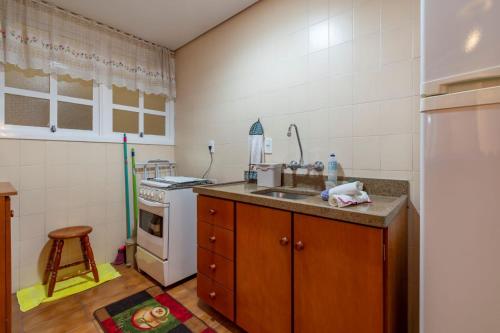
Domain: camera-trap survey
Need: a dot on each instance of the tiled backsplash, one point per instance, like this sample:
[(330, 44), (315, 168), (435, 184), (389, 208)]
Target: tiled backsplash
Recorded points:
[(345, 71), (63, 184)]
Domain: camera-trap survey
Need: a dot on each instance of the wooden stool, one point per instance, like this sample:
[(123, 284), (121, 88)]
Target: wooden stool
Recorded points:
[(58, 236)]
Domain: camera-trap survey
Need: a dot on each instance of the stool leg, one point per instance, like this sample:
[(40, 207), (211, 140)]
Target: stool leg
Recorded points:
[(84, 253), (50, 262), (55, 267), (90, 255)]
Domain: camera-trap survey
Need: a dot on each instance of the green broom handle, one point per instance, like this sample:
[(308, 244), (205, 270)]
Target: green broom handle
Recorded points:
[(134, 191), (127, 205)]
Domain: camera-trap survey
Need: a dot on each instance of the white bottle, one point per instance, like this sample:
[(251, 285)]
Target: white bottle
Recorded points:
[(332, 169)]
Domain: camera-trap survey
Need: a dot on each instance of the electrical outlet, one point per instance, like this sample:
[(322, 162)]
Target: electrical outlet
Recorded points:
[(268, 146), (211, 143)]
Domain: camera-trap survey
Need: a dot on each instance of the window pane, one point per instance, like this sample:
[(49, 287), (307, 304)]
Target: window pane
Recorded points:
[(125, 121), (154, 124), (154, 102), (26, 111), (74, 116), (31, 79), (123, 96), (67, 86)]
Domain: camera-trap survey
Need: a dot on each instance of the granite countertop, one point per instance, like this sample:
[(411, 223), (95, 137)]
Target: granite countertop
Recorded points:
[(379, 213)]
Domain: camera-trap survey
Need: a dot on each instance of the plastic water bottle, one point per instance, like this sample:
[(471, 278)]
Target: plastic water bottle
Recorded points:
[(332, 169)]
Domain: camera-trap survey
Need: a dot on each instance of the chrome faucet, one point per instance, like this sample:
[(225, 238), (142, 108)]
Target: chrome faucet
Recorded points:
[(289, 134), (294, 165)]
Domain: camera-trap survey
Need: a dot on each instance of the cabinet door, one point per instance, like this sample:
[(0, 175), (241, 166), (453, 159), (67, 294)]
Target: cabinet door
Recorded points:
[(263, 269), (338, 277)]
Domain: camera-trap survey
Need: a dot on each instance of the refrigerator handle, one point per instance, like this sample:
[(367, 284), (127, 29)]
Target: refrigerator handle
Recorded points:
[(483, 78), (474, 97)]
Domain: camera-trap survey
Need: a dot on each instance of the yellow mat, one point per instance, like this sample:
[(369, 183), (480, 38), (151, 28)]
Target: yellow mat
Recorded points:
[(32, 297)]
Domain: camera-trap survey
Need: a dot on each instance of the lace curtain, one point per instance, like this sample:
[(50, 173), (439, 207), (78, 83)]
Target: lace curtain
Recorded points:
[(41, 36)]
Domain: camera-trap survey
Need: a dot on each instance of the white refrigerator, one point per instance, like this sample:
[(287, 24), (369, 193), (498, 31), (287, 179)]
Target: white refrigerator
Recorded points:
[(460, 164)]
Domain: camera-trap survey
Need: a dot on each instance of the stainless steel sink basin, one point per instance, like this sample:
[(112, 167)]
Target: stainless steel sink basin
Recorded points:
[(283, 194)]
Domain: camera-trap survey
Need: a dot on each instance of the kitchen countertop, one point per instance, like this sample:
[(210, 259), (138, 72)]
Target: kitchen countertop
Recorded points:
[(379, 213)]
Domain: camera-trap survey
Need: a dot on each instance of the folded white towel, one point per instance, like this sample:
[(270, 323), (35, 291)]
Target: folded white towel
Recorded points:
[(344, 200), (348, 189)]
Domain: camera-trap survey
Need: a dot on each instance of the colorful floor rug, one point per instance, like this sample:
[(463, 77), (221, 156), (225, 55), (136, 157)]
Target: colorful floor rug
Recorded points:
[(32, 297), (151, 310)]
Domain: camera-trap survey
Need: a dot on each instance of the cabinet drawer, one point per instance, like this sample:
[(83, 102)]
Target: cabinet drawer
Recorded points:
[(216, 211), (216, 267), (216, 239), (216, 296)]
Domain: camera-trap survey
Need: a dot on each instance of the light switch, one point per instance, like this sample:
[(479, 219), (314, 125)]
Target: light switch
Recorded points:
[(268, 146)]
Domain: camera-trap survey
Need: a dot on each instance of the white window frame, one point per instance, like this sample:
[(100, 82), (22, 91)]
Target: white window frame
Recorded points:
[(102, 117)]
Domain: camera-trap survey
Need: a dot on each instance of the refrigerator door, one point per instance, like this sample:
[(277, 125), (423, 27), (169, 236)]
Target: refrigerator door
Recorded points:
[(459, 42), (461, 220)]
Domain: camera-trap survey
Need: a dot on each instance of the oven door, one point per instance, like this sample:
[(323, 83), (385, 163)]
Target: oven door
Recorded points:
[(152, 234)]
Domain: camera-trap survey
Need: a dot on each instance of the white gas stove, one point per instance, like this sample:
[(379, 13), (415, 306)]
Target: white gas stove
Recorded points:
[(166, 236)]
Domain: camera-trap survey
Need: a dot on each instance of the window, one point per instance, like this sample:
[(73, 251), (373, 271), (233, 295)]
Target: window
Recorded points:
[(37, 105), (139, 113)]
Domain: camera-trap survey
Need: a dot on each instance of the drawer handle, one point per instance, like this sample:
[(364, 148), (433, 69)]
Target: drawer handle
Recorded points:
[(211, 239), (299, 246), (284, 241), (211, 211), (212, 295), (212, 267)]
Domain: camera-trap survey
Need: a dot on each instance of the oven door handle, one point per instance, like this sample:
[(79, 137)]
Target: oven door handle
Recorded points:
[(152, 203)]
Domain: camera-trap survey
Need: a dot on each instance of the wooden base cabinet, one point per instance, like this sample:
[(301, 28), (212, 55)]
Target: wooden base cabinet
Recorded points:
[(338, 276), (6, 190), (305, 274), (216, 253), (263, 269)]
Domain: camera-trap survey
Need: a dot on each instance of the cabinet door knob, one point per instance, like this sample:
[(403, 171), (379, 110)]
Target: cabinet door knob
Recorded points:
[(211, 211), (212, 267), (299, 246), (211, 239), (12, 213), (212, 295), (284, 240)]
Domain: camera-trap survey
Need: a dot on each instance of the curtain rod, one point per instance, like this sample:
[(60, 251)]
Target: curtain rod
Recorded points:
[(102, 25)]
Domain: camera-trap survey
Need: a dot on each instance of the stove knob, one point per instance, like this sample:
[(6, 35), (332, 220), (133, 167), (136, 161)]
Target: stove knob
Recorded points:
[(156, 194), (161, 196)]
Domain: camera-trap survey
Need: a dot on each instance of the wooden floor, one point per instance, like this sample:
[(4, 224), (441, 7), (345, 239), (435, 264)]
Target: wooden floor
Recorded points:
[(75, 313)]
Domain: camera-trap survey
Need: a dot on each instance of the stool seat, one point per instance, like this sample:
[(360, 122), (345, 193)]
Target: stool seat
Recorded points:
[(70, 232)]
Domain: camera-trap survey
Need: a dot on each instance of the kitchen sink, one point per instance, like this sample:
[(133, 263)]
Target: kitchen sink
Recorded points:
[(284, 194)]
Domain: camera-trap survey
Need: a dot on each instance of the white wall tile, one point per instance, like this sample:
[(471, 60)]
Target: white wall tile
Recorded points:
[(366, 153), (341, 59), (366, 119), (318, 36), (396, 44), (32, 202), (10, 151), (32, 152), (396, 152), (32, 177), (340, 122), (340, 28), (367, 53), (340, 6), (318, 10), (366, 17), (31, 226)]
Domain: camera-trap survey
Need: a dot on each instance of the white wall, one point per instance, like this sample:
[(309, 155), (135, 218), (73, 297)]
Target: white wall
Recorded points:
[(345, 71), (64, 184)]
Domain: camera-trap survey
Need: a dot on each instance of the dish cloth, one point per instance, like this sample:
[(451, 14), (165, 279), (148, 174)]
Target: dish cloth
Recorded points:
[(347, 189), (344, 200)]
